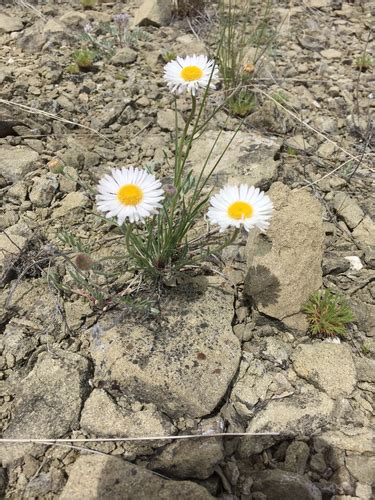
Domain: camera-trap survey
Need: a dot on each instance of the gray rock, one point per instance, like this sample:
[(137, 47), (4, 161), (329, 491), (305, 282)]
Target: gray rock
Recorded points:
[(103, 418), (365, 369), (189, 459), (327, 366), (16, 341), (357, 440), (16, 162), (285, 264), (184, 364), (13, 241), (281, 485), (109, 114), (167, 121), (154, 13), (250, 158), (348, 209), (111, 478), (296, 457), (72, 201), (124, 56), (43, 190), (362, 467), (297, 415), (252, 386), (49, 400), (270, 117), (9, 23), (364, 233), (73, 18)]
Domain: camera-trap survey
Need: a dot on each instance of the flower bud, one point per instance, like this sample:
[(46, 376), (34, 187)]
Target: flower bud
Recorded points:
[(169, 190), (83, 261), (248, 68), (56, 166)]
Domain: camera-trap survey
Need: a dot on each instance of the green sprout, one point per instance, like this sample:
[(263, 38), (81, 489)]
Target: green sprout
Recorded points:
[(84, 59), (363, 62), (242, 103), (168, 56), (328, 314)]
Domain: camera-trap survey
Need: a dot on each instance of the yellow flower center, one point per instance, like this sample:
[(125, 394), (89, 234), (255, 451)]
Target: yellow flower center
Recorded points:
[(240, 210), (130, 194), (190, 73)]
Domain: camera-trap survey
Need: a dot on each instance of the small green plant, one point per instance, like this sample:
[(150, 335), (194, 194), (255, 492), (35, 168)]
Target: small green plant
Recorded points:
[(242, 103), (88, 4), (328, 314), (84, 59), (168, 55), (363, 62), (72, 69), (291, 151), (280, 97)]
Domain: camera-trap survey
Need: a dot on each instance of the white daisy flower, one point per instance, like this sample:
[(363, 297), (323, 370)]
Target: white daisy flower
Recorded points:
[(240, 205), (129, 193), (190, 73)]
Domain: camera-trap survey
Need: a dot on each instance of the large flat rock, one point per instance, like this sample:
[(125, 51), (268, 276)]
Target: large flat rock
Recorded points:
[(48, 401), (318, 364), (102, 477), (250, 158), (16, 161), (184, 362), (285, 263)]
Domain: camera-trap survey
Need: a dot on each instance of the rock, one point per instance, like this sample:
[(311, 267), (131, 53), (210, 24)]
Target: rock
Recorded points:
[(43, 190), (13, 241), (8, 24), (365, 315), (335, 265), (71, 202), (327, 150), (285, 264), (109, 114), (270, 117), (189, 459), (16, 162), (73, 18), (252, 385), (362, 467), (154, 12), (103, 418), (16, 342), (124, 56), (49, 400), (297, 142), (281, 485), (331, 53), (329, 367), (185, 363), (167, 121), (53, 27), (365, 369), (317, 463), (296, 457), (349, 439), (298, 414), (363, 491), (348, 209), (110, 478), (364, 233), (250, 158)]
